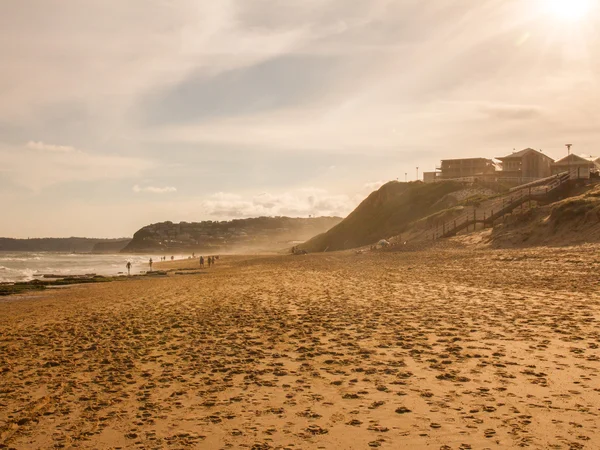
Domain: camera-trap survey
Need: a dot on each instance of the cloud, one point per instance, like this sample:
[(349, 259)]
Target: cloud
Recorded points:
[(45, 166), (154, 190), (510, 112), (299, 203), (373, 185), (41, 146), (280, 82)]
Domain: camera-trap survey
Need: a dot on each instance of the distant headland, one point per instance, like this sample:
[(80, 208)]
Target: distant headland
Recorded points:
[(71, 244), (255, 234)]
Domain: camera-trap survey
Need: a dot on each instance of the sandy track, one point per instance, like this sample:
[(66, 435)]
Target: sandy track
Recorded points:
[(448, 349)]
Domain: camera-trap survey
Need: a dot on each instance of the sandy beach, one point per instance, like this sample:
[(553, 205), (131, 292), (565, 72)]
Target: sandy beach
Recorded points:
[(441, 349)]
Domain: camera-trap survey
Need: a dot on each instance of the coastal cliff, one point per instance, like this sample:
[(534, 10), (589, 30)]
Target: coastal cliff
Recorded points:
[(386, 212)]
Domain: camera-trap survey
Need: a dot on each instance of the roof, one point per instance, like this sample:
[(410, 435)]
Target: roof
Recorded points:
[(573, 158), (520, 154), (468, 159)]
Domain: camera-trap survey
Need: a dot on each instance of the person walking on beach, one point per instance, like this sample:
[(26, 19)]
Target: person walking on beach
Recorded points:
[(150, 263), (202, 262), (128, 265)]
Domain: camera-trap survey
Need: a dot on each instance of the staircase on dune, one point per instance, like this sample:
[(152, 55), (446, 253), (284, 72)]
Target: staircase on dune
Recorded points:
[(493, 209)]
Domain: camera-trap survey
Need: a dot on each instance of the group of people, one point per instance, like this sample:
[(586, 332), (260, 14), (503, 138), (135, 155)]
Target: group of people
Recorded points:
[(128, 265), (210, 260)]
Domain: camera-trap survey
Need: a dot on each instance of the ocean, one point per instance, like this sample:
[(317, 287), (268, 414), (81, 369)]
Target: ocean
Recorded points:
[(25, 266)]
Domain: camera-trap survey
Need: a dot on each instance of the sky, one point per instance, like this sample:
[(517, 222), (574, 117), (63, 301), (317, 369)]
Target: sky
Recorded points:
[(116, 114)]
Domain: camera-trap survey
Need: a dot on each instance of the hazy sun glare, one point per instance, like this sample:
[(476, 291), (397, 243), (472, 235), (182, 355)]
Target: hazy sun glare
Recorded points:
[(568, 9)]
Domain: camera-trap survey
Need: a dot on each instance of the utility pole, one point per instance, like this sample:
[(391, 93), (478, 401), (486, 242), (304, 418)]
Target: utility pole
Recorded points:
[(568, 158)]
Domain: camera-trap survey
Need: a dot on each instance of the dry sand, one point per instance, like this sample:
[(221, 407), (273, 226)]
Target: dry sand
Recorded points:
[(448, 349)]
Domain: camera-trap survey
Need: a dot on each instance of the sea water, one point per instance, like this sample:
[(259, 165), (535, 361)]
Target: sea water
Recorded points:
[(25, 266)]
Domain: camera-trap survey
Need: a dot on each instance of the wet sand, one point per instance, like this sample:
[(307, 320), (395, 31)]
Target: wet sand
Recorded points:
[(441, 349)]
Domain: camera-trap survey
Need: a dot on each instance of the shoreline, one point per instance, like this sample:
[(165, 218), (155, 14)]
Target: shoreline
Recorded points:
[(26, 266)]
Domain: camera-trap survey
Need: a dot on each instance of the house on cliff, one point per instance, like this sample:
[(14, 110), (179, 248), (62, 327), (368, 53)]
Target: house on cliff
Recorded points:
[(527, 164), (466, 168), (576, 165)]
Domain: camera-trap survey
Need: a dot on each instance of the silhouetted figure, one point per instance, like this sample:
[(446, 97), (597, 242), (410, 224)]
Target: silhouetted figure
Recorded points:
[(202, 262), (172, 258), (150, 264), (128, 265)]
